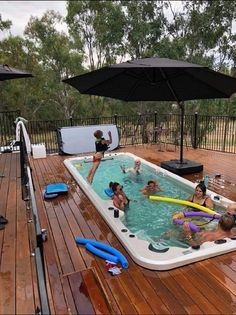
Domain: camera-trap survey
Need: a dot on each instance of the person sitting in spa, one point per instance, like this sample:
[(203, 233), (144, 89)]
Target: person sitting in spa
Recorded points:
[(120, 200), (136, 169), (199, 197), (151, 188), (224, 229)]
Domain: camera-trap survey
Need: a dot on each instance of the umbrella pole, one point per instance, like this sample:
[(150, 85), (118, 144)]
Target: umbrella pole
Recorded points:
[(181, 106), (181, 166)]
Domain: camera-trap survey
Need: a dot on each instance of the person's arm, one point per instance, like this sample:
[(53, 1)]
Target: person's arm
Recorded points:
[(158, 187), (144, 190), (122, 167), (199, 237), (209, 203), (189, 235), (190, 198), (104, 141), (118, 202), (110, 137)]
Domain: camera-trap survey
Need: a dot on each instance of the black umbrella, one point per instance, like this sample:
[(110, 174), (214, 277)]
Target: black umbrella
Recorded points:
[(158, 79), (9, 73)]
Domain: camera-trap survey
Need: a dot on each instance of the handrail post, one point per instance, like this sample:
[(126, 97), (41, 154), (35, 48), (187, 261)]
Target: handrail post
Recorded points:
[(155, 119), (115, 119), (195, 123), (181, 105), (155, 125)]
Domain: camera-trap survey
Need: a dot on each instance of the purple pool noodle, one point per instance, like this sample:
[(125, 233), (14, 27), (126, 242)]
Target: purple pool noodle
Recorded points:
[(201, 214), (192, 226)]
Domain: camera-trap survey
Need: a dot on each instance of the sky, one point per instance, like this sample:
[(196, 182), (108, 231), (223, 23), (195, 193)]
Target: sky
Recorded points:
[(19, 12)]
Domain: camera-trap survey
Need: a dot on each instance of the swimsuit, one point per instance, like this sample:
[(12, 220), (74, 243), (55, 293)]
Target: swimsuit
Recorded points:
[(204, 203), (100, 147), (96, 159)]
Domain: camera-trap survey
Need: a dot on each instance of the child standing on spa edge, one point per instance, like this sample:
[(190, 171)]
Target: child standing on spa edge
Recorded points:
[(101, 145)]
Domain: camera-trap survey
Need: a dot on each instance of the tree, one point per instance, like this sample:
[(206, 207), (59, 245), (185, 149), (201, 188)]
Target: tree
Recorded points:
[(205, 31), (15, 94), (145, 27), (5, 25), (57, 57), (100, 26)]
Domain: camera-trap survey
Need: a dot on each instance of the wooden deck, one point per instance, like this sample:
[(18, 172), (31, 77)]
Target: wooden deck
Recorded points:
[(77, 281)]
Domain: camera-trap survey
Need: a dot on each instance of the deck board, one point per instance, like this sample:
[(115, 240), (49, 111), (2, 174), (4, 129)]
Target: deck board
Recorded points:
[(126, 289), (8, 261), (26, 280), (77, 281), (18, 293)]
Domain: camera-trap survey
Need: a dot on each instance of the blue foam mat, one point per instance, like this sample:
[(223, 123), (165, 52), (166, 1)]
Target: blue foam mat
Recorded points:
[(57, 188)]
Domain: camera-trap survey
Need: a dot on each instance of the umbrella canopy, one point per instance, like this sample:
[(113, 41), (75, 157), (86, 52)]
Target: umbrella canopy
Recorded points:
[(157, 79), (9, 73)]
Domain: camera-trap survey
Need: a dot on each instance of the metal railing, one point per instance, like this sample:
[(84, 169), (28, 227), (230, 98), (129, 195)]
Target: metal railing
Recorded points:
[(37, 235), (217, 133), (7, 129)]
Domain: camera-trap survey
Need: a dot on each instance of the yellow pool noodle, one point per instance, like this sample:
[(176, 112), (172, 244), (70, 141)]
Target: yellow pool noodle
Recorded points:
[(183, 202)]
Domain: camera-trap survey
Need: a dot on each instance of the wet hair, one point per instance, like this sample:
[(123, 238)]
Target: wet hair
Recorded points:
[(151, 182), (202, 187), (226, 222), (98, 133), (114, 186)]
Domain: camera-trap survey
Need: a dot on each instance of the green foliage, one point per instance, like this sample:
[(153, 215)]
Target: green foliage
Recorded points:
[(100, 25), (106, 32), (145, 23), (4, 25)]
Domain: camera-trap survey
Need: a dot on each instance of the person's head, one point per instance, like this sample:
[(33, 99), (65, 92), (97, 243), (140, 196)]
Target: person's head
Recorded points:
[(200, 190), (98, 134), (137, 163), (231, 209), (151, 184), (116, 187), (226, 222)]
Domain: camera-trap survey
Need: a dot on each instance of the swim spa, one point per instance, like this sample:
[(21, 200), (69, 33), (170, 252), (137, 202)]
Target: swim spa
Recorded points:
[(142, 227)]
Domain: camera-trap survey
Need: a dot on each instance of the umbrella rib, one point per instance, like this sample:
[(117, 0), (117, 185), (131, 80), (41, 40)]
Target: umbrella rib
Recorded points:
[(165, 77), (132, 89)]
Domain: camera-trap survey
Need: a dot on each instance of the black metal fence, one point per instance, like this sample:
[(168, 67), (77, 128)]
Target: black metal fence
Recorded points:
[(215, 133), (7, 127)]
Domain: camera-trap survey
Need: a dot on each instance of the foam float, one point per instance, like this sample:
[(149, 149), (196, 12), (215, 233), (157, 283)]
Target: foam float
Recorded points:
[(103, 250), (183, 202)]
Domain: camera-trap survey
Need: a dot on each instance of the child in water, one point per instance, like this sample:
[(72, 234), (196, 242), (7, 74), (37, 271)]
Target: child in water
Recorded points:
[(136, 169), (151, 187), (101, 145)]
